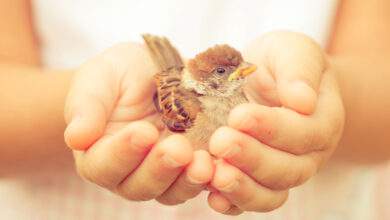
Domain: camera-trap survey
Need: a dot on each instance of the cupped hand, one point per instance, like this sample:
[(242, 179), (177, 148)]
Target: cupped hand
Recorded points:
[(279, 140), (117, 135)]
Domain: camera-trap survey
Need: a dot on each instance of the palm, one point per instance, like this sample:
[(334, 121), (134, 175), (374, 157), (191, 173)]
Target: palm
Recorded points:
[(133, 86), (126, 87), (135, 103), (135, 100)]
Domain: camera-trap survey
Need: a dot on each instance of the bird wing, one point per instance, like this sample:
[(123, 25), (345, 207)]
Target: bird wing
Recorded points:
[(178, 106)]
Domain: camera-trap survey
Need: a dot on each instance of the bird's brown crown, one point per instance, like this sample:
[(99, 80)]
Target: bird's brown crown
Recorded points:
[(206, 62)]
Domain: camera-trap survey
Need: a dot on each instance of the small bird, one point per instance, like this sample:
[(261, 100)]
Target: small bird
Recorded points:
[(196, 98)]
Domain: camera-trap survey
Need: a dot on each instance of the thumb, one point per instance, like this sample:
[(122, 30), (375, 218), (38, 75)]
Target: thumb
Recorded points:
[(88, 104), (296, 63), (297, 95)]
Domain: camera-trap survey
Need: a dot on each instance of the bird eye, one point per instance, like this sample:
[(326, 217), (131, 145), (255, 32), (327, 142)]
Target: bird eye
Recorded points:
[(221, 70)]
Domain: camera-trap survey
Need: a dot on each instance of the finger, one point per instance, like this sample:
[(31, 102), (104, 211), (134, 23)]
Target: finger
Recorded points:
[(222, 205), (159, 170), (88, 105), (268, 166), (296, 64), (261, 87), (111, 159), (191, 182), (290, 131), (243, 192)]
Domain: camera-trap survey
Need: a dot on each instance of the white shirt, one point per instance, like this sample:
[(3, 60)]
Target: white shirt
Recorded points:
[(72, 31)]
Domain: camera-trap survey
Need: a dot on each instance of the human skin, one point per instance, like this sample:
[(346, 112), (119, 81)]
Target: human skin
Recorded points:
[(110, 100), (20, 65), (360, 49)]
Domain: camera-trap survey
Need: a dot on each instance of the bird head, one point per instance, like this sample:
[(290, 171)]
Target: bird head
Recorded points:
[(218, 71)]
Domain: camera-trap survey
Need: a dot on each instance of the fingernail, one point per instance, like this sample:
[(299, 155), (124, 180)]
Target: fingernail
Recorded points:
[(230, 151), (211, 188), (194, 181), (170, 162), (226, 209), (301, 97), (73, 123), (70, 129), (229, 187), (301, 87)]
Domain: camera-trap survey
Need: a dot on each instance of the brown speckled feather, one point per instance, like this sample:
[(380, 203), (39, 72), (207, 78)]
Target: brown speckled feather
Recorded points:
[(178, 106)]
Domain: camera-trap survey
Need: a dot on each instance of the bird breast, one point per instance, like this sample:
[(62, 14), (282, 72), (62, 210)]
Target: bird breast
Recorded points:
[(214, 114)]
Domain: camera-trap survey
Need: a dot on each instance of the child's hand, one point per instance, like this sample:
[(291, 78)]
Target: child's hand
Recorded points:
[(113, 129), (267, 150)]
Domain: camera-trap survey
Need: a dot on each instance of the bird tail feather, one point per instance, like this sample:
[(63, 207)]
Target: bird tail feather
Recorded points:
[(163, 53)]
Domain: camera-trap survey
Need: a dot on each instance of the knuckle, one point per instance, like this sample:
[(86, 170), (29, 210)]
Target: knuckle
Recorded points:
[(250, 203), (258, 170), (283, 178), (287, 183), (281, 181), (291, 180), (300, 175), (274, 122), (311, 139), (286, 177), (318, 139)]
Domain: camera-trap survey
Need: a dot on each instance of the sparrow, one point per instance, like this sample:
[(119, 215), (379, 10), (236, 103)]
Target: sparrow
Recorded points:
[(195, 98)]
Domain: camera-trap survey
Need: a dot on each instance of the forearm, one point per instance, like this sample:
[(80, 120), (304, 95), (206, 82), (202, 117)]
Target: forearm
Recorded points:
[(360, 51), (365, 89), (31, 114)]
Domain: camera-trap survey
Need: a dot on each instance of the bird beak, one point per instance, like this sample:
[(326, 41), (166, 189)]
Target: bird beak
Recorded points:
[(243, 70)]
